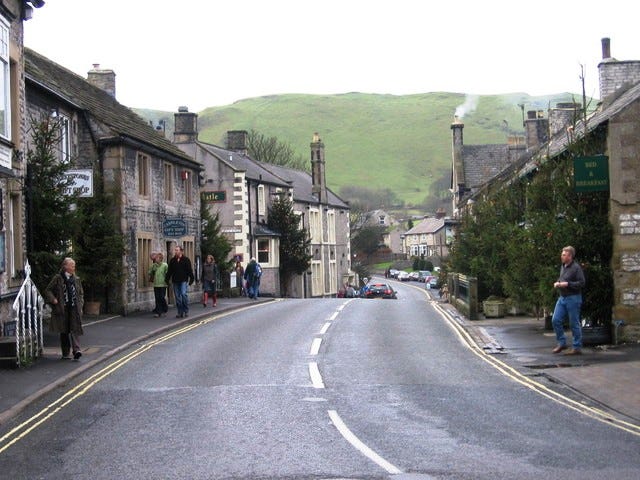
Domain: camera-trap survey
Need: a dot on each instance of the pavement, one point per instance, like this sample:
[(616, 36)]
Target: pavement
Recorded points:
[(607, 375)]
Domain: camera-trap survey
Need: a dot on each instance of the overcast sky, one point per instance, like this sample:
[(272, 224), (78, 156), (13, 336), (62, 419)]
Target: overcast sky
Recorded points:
[(204, 53)]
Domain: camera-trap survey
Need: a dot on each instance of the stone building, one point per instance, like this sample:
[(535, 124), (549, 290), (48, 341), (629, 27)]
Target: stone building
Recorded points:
[(13, 126), (429, 239), (326, 217), (616, 120), (240, 189), (154, 183)]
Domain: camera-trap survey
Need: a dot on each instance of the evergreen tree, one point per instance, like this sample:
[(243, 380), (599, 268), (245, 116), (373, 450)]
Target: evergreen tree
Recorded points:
[(368, 239), (99, 245), (213, 241), (50, 212), (295, 258)]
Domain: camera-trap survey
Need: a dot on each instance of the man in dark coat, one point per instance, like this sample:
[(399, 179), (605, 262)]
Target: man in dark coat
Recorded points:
[(180, 272), (66, 297), (252, 275)]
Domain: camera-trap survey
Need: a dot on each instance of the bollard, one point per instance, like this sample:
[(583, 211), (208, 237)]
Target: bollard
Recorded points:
[(617, 324)]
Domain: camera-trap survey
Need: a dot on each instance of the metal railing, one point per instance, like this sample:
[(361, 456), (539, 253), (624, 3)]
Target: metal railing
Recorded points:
[(463, 294), (28, 310)]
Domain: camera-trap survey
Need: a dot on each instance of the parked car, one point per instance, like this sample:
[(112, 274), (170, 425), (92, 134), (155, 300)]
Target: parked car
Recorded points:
[(432, 282), (423, 274), (414, 276), (403, 276), (393, 273), (380, 290)]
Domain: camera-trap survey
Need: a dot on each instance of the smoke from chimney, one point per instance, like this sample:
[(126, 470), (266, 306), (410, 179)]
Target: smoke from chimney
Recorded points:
[(469, 105)]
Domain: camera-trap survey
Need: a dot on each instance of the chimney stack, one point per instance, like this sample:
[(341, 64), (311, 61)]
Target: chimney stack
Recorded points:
[(186, 126), (458, 180), (238, 141), (536, 129), (615, 76), (318, 178), (104, 79)]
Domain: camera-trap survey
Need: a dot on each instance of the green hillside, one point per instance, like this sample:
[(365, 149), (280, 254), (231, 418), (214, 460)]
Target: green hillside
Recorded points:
[(402, 143)]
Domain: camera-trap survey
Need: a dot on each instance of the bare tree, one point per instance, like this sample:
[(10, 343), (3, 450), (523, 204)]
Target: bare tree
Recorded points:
[(274, 151)]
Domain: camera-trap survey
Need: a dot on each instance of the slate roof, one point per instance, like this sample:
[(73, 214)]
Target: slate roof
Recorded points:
[(113, 120), (302, 183), (428, 225), (483, 162), (559, 142), (241, 162)]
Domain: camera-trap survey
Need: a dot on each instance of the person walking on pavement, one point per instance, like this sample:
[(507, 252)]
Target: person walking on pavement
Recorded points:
[(66, 297), (570, 284), (252, 275), (240, 278), (179, 273), (210, 274), (157, 275)]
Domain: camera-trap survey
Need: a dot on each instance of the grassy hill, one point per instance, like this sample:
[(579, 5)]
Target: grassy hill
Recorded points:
[(402, 143)]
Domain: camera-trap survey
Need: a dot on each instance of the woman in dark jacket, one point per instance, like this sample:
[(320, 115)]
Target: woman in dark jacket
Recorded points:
[(209, 277), (66, 297)]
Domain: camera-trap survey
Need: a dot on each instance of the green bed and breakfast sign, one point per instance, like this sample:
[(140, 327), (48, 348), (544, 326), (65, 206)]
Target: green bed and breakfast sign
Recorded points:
[(591, 174)]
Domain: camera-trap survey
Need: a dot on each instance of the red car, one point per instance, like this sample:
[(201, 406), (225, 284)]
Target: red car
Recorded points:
[(380, 290)]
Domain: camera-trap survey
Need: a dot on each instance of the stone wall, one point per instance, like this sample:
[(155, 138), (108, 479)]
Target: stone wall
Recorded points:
[(624, 214)]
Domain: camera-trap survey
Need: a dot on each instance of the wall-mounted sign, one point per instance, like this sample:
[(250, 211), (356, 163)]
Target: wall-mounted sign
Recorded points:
[(591, 174), (5, 157), (218, 196), (82, 183), (231, 230), (174, 227)]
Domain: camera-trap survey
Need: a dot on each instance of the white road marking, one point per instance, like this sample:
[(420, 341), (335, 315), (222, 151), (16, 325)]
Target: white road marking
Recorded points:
[(325, 328), (361, 447), (315, 346), (333, 317), (314, 373), (341, 307)]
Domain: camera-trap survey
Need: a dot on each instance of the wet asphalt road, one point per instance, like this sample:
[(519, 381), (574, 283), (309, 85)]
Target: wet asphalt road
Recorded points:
[(314, 389)]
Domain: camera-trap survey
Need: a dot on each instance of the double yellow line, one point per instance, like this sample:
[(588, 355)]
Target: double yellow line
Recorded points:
[(515, 375), (22, 430)]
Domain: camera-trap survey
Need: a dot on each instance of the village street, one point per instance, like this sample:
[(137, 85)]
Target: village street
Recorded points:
[(326, 388)]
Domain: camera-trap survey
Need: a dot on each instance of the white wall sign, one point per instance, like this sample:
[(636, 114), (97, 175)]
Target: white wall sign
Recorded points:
[(82, 183)]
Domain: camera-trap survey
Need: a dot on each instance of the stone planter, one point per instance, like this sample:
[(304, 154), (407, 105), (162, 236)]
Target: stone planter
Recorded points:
[(92, 308), (493, 309), (597, 335)]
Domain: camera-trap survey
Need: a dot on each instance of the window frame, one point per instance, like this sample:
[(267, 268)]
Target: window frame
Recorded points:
[(262, 204), (144, 248), (331, 226), (5, 80), (144, 174), (168, 170)]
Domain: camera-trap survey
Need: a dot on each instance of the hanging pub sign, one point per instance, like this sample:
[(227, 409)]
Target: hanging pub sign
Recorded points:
[(219, 196), (591, 174)]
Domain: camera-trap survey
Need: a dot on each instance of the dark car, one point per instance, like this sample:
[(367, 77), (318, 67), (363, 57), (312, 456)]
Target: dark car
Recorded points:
[(380, 290)]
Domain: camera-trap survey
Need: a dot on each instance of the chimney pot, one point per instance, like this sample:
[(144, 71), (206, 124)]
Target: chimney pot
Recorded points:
[(183, 109), (606, 48)]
